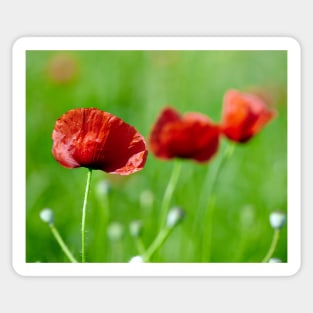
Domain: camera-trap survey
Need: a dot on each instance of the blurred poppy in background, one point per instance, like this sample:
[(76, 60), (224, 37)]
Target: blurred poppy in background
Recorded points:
[(95, 139), (62, 68), (244, 115), (191, 136)]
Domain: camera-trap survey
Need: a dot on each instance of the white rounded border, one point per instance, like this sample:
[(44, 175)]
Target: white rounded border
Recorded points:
[(155, 43)]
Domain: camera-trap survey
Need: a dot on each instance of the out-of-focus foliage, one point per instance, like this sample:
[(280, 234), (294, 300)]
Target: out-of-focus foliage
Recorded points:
[(135, 85)]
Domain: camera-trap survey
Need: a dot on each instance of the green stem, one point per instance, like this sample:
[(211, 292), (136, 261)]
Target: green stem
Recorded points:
[(84, 213), (226, 155), (272, 247), (140, 246), (207, 210), (101, 224), (208, 231), (157, 243), (169, 191), (210, 183), (107, 207), (62, 243)]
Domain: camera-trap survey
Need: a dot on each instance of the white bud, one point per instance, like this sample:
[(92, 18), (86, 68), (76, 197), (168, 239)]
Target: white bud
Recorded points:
[(135, 229), (146, 199), (277, 219), (175, 215), (47, 216), (136, 259), (103, 187), (247, 216), (115, 231), (274, 260)]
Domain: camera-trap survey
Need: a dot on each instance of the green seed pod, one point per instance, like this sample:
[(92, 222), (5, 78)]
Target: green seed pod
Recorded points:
[(47, 216), (136, 259), (146, 199), (103, 188), (277, 219), (135, 229), (274, 260), (115, 231), (175, 216)]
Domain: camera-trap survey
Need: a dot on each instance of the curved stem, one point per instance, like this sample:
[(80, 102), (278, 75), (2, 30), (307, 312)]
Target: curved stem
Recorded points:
[(272, 246), (208, 231), (62, 244), (207, 210), (157, 243), (84, 213), (140, 246), (210, 182), (226, 155), (169, 191)]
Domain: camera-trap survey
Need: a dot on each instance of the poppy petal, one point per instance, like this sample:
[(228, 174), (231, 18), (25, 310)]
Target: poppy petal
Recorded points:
[(99, 140), (167, 116), (244, 115), (192, 136)]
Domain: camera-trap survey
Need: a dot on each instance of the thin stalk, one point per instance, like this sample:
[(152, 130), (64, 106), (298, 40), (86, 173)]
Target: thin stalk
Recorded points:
[(101, 223), (106, 203), (208, 231), (228, 152), (84, 213), (157, 243), (272, 246), (62, 244), (169, 191), (140, 246), (210, 185)]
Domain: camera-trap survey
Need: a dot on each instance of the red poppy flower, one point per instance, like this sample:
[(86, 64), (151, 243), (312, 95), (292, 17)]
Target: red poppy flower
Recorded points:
[(98, 140), (244, 115), (191, 136)]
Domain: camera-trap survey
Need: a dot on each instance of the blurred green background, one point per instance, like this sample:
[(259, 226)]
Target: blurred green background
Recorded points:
[(135, 86)]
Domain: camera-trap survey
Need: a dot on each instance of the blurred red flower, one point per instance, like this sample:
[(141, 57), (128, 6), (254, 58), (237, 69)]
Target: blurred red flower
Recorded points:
[(62, 68), (96, 139), (244, 115), (191, 136)]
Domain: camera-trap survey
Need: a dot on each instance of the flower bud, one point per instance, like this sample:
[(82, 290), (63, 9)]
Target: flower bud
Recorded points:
[(247, 216), (174, 217), (115, 231), (47, 216), (274, 260), (135, 229), (146, 199), (277, 219), (136, 259), (103, 188)]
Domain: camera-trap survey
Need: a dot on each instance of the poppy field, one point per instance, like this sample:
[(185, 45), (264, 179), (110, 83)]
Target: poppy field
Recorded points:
[(156, 156)]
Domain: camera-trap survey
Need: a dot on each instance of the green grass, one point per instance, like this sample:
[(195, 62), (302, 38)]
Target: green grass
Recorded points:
[(136, 85)]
